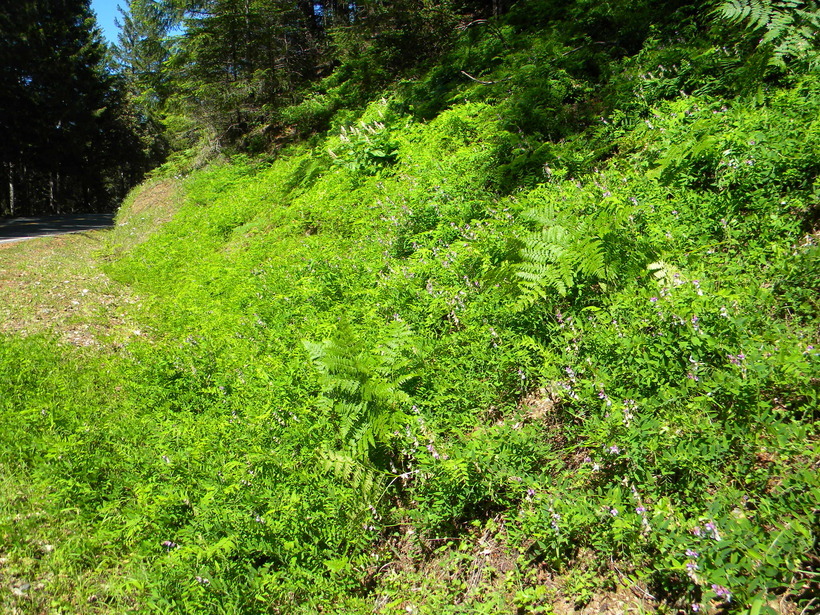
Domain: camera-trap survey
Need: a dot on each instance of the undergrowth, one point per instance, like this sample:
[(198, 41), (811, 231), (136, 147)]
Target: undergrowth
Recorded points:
[(573, 340)]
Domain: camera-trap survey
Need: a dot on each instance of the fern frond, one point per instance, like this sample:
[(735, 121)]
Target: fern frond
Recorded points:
[(362, 387), (344, 467), (583, 244), (790, 26)]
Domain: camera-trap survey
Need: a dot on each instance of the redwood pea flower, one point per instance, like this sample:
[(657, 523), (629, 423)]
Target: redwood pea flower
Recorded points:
[(711, 527), (722, 592)]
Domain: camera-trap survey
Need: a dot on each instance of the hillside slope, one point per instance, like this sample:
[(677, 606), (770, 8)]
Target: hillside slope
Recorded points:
[(534, 346)]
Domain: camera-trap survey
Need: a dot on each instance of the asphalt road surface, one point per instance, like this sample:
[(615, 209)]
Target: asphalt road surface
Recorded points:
[(17, 229)]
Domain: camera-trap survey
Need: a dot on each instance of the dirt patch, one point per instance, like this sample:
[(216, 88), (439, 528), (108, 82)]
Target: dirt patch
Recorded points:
[(482, 570), (54, 286), (160, 198)]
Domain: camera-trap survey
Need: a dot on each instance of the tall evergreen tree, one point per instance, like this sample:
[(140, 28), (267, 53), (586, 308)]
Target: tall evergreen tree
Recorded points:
[(245, 57), (144, 46), (59, 109)]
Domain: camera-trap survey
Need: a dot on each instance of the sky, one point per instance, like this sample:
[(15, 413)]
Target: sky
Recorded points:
[(106, 11)]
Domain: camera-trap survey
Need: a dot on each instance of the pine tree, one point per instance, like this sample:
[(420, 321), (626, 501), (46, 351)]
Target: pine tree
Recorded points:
[(145, 45), (243, 59)]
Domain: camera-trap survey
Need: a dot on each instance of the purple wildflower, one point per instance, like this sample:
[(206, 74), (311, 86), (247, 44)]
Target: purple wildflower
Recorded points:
[(614, 450), (691, 566), (722, 592), (613, 512), (692, 554), (640, 510), (712, 528), (653, 299), (695, 607)]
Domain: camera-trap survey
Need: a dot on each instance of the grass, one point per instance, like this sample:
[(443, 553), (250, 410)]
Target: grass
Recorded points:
[(369, 377), (57, 285), (54, 285), (56, 288)]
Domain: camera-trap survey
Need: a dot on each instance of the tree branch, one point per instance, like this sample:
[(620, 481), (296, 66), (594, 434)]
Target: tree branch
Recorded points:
[(466, 74)]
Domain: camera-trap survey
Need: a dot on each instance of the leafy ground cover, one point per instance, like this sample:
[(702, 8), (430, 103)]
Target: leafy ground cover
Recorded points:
[(475, 356)]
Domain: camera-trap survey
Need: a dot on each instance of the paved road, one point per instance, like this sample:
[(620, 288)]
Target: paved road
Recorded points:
[(17, 229)]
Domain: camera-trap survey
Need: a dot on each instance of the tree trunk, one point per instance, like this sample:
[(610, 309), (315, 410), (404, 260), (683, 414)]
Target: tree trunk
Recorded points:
[(11, 188)]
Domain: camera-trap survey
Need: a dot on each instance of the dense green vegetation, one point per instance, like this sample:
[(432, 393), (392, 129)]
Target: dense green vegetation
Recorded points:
[(489, 343)]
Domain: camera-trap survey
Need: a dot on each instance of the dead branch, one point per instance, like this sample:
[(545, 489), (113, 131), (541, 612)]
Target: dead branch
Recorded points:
[(466, 74)]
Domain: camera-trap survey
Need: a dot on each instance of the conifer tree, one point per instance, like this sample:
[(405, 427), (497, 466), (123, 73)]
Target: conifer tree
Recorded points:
[(60, 112)]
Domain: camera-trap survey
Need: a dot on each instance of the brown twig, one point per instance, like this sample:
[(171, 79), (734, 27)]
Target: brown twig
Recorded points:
[(472, 23), (466, 74), (633, 586), (494, 29)]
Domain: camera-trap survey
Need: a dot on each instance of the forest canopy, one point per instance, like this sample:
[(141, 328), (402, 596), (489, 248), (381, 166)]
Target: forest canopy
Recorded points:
[(68, 140)]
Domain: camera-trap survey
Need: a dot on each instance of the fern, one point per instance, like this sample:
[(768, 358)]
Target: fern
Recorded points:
[(362, 390), (790, 26), (359, 475), (576, 246)]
